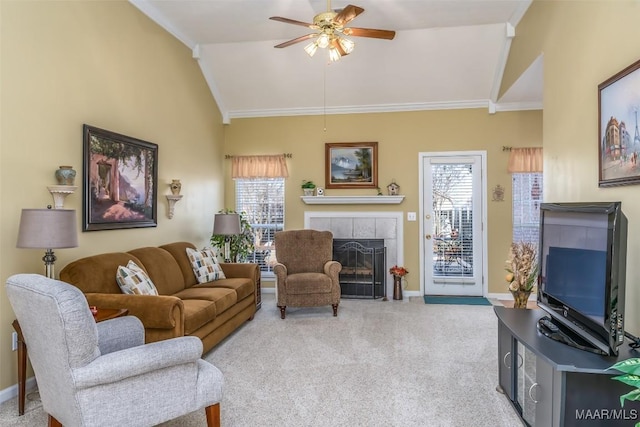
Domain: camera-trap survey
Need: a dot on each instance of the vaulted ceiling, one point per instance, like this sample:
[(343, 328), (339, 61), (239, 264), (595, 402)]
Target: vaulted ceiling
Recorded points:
[(446, 54)]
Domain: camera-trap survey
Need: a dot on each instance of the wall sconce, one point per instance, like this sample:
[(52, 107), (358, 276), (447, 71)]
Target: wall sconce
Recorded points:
[(59, 193), (175, 196), (65, 176)]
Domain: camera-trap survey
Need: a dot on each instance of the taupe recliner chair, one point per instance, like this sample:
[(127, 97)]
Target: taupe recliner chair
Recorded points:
[(306, 275)]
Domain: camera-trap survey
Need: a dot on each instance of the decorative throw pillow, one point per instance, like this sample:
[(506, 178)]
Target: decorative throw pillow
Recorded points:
[(205, 265), (132, 279)]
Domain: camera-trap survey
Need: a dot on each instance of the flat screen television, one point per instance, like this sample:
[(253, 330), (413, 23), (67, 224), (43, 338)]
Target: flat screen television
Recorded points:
[(581, 285)]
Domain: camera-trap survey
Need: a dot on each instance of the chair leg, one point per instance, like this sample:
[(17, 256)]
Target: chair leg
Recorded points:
[(53, 422), (335, 309), (282, 309), (213, 415)]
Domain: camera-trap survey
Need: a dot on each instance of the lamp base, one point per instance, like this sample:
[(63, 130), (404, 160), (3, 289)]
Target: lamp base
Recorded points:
[(49, 259)]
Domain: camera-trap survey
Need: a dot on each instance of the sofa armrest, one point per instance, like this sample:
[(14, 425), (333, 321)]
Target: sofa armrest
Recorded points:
[(235, 269), (154, 311)]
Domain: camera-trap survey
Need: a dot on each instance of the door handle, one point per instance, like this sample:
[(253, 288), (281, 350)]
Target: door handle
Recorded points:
[(428, 236)]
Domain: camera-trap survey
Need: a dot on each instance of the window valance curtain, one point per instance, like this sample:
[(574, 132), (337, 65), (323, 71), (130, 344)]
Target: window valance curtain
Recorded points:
[(522, 160), (274, 166)]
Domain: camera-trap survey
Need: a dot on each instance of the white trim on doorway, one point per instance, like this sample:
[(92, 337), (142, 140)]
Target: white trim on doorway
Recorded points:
[(483, 188)]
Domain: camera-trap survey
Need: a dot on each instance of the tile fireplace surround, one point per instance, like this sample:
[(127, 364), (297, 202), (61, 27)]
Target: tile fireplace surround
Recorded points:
[(364, 225)]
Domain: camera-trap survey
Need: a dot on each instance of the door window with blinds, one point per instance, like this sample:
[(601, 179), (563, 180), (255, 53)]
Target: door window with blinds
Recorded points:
[(262, 202), (453, 219), (527, 195)]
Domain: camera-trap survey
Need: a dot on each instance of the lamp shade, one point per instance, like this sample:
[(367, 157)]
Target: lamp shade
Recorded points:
[(47, 229), (226, 224)]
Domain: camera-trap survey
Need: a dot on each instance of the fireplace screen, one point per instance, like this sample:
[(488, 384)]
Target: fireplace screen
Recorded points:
[(363, 267)]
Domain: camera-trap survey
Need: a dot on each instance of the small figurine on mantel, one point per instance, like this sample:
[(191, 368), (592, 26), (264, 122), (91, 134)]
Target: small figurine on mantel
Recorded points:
[(393, 189)]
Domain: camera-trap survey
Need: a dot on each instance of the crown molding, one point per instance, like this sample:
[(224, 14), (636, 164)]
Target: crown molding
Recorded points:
[(519, 106), (383, 108), (359, 109)]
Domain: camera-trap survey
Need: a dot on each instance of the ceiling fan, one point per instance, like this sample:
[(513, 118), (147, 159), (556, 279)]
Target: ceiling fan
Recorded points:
[(331, 29)]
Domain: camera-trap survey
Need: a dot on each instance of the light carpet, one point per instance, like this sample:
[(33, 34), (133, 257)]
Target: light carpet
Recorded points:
[(393, 363)]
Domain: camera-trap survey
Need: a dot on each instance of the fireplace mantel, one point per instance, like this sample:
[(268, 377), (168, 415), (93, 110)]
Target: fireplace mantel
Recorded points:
[(352, 200)]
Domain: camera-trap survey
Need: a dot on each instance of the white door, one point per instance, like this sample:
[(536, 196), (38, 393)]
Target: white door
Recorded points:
[(452, 223)]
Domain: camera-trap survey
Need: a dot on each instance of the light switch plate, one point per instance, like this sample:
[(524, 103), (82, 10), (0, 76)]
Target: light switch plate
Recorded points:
[(411, 216)]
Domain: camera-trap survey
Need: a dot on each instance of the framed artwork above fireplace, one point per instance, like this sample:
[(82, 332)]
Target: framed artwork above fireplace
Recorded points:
[(351, 165)]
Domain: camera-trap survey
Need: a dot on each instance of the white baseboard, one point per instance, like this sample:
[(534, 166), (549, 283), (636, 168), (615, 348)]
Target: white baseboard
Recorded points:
[(11, 392)]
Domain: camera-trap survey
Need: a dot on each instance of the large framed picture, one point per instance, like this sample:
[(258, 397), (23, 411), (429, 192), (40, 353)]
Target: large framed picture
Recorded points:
[(351, 165), (619, 138), (120, 181)]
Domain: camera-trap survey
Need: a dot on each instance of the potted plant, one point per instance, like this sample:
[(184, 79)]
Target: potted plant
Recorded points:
[(308, 187), (241, 245), (630, 369)]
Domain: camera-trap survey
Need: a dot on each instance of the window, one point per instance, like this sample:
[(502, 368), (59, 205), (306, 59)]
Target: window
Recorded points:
[(527, 195), (262, 201)]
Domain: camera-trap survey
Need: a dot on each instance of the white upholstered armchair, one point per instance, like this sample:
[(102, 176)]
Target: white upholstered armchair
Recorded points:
[(103, 374)]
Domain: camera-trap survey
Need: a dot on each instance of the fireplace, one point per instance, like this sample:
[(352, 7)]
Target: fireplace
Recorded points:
[(354, 225), (363, 267)]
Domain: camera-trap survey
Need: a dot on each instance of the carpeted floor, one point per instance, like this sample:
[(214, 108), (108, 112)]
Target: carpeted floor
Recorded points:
[(393, 363), (438, 299)]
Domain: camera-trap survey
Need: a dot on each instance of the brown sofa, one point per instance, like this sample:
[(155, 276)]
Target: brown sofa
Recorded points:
[(209, 311)]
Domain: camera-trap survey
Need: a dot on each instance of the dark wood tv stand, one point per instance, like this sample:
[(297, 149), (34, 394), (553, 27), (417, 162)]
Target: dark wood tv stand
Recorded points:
[(553, 384)]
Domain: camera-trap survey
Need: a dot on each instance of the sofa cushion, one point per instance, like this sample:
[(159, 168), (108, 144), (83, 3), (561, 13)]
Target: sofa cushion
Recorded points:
[(179, 253), (133, 280), (162, 268), (205, 265), (223, 298), (308, 283), (243, 286), (97, 273), (197, 312)]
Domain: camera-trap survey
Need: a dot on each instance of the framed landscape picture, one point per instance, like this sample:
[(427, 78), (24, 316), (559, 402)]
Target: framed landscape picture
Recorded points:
[(619, 138), (351, 165), (120, 181)]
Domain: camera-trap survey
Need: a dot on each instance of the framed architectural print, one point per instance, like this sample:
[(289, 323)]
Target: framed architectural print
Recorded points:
[(619, 138), (351, 165), (120, 181)]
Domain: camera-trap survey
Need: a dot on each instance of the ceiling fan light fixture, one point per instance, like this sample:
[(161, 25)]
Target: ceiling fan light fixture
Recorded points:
[(323, 40), (334, 54), (346, 44), (311, 48)]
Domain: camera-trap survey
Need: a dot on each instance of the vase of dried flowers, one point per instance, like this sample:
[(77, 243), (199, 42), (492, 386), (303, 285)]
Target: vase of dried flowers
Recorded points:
[(398, 273), (520, 298), (522, 272)]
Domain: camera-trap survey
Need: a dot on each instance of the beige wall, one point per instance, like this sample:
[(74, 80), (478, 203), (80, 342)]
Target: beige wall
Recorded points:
[(584, 43), (105, 64), (400, 137)]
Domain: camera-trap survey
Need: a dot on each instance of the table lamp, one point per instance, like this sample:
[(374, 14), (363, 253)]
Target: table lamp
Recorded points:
[(48, 229), (227, 225)]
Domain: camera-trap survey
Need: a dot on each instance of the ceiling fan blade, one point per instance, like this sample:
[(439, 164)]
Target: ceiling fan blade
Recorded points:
[(369, 32), (294, 22), (347, 14), (297, 40)]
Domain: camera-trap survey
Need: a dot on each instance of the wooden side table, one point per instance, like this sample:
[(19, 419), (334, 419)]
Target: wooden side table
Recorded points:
[(102, 315)]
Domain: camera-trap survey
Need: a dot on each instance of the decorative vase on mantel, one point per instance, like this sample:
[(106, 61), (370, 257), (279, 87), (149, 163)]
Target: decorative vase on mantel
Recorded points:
[(520, 298), (65, 175)]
